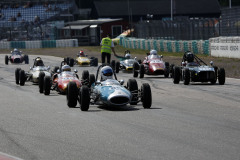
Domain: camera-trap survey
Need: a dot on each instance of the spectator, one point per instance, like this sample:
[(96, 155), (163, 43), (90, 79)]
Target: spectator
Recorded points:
[(19, 14)]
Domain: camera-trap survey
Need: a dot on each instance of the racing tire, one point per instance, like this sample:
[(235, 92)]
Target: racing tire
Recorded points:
[(95, 62), (166, 73), (67, 60), (85, 75), (133, 88), (171, 70), (47, 85), (117, 67), (91, 79), (113, 64), (6, 60), (213, 81), (135, 69), (186, 76), (17, 72), (41, 81), (26, 59), (84, 98), (22, 77), (141, 71), (146, 95), (221, 76), (72, 94), (176, 75), (71, 62)]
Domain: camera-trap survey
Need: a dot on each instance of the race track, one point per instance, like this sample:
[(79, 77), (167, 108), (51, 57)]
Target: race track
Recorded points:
[(197, 122)]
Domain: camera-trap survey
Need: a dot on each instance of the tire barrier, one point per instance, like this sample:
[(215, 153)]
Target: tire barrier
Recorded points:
[(39, 44), (196, 46)]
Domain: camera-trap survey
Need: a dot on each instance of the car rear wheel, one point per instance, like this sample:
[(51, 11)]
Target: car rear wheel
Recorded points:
[(117, 67), (135, 69), (141, 71), (133, 88), (213, 81), (171, 70), (166, 73), (6, 60), (186, 76), (95, 62), (71, 62), (91, 79), (221, 76), (113, 64), (146, 95), (17, 73), (176, 75), (84, 98), (47, 85), (22, 77), (72, 94), (26, 59), (41, 81)]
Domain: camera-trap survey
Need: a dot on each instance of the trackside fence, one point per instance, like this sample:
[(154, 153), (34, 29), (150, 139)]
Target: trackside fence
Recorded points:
[(39, 44)]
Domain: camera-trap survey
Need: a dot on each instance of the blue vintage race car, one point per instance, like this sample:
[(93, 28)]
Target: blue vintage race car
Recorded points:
[(111, 92)]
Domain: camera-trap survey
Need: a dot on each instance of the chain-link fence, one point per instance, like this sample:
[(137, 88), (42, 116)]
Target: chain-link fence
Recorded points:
[(192, 29)]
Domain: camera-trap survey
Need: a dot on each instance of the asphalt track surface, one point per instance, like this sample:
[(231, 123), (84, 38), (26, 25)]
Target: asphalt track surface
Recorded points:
[(197, 122)]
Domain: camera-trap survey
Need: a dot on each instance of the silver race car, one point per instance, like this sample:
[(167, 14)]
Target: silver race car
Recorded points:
[(35, 74)]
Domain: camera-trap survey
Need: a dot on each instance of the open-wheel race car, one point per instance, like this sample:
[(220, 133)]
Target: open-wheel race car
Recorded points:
[(60, 80), (34, 74), (194, 69), (16, 57), (126, 62), (108, 91), (153, 64), (82, 60)]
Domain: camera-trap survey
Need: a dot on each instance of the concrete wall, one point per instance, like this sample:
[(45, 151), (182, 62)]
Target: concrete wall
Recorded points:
[(225, 47)]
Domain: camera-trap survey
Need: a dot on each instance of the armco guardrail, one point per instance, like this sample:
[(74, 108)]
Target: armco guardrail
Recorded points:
[(225, 47), (39, 44), (196, 46)]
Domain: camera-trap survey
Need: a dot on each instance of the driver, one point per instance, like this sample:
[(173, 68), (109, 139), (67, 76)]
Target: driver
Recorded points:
[(81, 54), (39, 62), (188, 57), (106, 73), (66, 68), (153, 52), (127, 54)]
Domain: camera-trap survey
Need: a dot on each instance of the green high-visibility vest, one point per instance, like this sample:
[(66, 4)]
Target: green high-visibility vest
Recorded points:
[(106, 45)]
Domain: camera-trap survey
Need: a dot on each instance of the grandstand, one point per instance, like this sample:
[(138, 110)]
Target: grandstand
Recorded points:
[(27, 20)]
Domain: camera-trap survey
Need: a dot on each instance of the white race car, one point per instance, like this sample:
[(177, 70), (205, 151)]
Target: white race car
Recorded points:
[(35, 74)]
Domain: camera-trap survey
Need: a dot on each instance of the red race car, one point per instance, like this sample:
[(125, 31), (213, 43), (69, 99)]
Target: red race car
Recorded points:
[(63, 81), (16, 57), (152, 65)]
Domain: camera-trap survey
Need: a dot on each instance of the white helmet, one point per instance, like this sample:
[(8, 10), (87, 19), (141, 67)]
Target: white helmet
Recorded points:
[(66, 68), (106, 73), (153, 52), (15, 50), (128, 55)]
